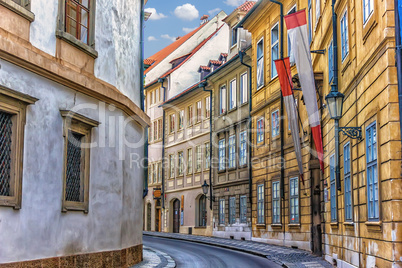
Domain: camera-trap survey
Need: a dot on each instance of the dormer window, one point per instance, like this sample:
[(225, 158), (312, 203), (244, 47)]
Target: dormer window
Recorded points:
[(234, 36)]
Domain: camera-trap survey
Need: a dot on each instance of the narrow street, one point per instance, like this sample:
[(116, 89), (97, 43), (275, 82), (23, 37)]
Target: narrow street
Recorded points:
[(188, 254)]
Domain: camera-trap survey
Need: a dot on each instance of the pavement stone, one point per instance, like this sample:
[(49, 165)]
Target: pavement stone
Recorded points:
[(153, 258), (287, 257)]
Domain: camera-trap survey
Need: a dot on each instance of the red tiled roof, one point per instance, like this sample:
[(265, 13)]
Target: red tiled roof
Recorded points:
[(246, 6), (215, 62), (160, 55), (148, 61), (205, 68), (225, 55)]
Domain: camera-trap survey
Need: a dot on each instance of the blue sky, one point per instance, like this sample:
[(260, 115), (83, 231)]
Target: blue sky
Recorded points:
[(173, 18)]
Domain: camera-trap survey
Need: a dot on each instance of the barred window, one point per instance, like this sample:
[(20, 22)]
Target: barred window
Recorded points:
[(243, 209), (232, 151), (6, 132), (260, 204), (232, 210), (276, 204), (294, 200), (77, 136)]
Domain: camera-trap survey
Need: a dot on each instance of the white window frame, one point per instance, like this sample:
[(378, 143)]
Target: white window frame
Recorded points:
[(347, 178), (344, 35), (277, 130), (276, 202), (333, 190), (273, 45), (222, 99), (232, 151), (232, 94), (260, 204), (243, 88), (294, 204), (259, 86), (370, 10), (373, 188), (243, 148), (222, 154)]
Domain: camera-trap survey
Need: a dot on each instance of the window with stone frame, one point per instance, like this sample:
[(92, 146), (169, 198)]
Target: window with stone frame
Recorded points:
[(77, 143), (171, 123), (12, 125), (243, 148), (76, 24), (181, 119), (260, 63), (276, 203), (232, 151), (232, 94), (190, 115), (199, 158), (207, 107), (222, 155), (243, 209), (190, 160), (24, 3), (181, 163), (222, 211), (260, 204), (207, 155), (274, 49), (294, 200), (159, 172), (232, 210), (199, 115), (171, 166)]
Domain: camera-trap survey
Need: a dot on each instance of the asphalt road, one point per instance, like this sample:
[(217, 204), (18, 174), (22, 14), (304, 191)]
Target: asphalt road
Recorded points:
[(196, 255)]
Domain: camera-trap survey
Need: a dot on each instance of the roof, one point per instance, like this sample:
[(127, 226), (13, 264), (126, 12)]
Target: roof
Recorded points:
[(246, 6), (206, 68), (255, 6), (215, 62), (161, 54), (222, 66), (224, 55), (185, 92)]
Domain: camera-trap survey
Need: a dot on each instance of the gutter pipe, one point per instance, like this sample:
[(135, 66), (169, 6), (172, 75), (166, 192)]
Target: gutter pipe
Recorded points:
[(142, 101), (161, 80)]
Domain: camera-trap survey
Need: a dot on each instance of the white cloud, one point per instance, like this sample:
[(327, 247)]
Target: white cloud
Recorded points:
[(214, 11), (152, 38), (187, 30), (186, 12), (155, 15), (234, 3), (166, 36)]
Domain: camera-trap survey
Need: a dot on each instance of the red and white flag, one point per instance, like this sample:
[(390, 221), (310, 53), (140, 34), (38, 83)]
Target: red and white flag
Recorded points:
[(296, 24), (285, 79)]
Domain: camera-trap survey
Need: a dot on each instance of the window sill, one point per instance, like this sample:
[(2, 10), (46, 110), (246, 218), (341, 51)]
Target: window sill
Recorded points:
[(231, 169), (77, 43), (232, 109), (349, 224), (294, 225), (200, 227), (374, 226), (334, 224), (243, 104), (276, 225), (221, 171), (369, 27), (23, 12), (261, 225)]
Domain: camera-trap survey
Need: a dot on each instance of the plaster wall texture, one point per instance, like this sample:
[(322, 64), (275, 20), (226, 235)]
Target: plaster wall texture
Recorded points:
[(117, 36), (186, 47), (187, 74), (39, 229)]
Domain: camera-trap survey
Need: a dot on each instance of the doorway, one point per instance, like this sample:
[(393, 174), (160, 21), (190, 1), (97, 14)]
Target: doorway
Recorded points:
[(149, 216), (176, 216)]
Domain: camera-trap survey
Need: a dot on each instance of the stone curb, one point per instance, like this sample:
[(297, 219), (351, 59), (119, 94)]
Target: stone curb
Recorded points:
[(171, 262), (253, 252)]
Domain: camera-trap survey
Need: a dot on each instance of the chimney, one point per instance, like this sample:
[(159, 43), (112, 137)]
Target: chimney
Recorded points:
[(204, 19)]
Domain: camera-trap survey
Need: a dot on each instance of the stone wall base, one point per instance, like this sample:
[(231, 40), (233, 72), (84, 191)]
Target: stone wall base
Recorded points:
[(117, 258)]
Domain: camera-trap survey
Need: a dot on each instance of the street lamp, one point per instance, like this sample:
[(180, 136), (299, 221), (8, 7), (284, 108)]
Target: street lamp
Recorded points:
[(335, 102), (205, 187)]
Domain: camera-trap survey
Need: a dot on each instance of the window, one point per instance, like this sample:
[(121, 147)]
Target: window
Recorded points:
[(190, 115), (333, 190), (260, 63), (171, 121), (199, 159), (243, 149), (12, 118), (198, 111), (150, 133), (275, 123), (290, 52), (310, 21), (232, 151), (77, 135), (274, 49), (77, 19), (348, 183), (202, 216), (260, 204), (330, 62), (181, 119), (151, 98), (160, 129), (207, 107), (232, 210), (181, 163), (372, 176), (243, 88), (243, 209), (155, 128), (260, 130), (344, 35), (276, 203), (171, 165), (150, 173), (157, 95), (160, 172), (222, 211), (155, 171), (222, 154), (207, 155), (190, 160), (317, 10), (222, 107), (234, 36), (232, 95), (368, 8), (24, 3), (294, 200)]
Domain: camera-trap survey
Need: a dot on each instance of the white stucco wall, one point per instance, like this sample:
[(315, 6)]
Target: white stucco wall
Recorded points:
[(187, 74), (186, 47), (117, 38), (39, 229)]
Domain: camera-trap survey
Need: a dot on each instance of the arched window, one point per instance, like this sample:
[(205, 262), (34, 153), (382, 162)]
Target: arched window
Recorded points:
[(202, 211)]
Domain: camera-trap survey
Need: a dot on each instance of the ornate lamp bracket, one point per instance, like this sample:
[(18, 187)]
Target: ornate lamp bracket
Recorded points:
[(352, 132)]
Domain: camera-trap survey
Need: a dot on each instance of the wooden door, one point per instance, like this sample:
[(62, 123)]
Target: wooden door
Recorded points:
[(176, 216), (149, 216)]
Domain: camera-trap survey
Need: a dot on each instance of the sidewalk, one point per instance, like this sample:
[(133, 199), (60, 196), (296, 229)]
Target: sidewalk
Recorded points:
[(153, 258), (287, 257)]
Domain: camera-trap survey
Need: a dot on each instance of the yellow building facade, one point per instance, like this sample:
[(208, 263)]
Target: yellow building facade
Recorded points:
[(360, 224)]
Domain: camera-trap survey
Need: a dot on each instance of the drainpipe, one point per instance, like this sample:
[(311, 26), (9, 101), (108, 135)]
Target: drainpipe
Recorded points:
[(334, 87), (398, 56), (161, 80), (250, 170), (142, 100), (203, 85)]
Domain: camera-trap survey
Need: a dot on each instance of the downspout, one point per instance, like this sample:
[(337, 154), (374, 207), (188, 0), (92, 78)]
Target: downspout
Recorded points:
[(203, 85), (250, 170), (398, 57), (161, 80), (142, 100), (334, 87), (281, 125)]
